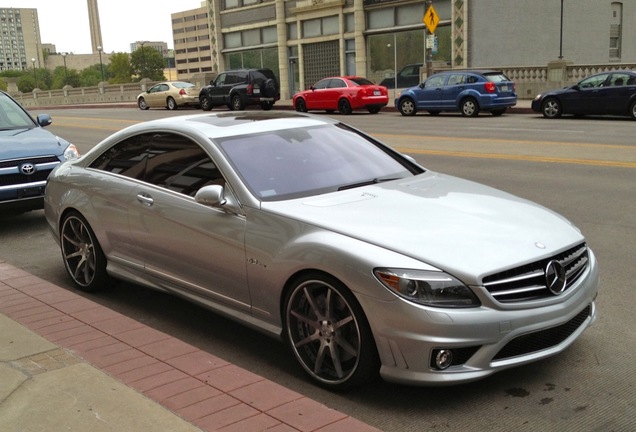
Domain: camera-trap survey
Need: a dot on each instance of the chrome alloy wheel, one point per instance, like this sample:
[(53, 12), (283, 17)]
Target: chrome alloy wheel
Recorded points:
[(328, 333)]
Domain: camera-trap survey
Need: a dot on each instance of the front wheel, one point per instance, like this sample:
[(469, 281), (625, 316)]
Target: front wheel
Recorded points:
[(83, 257), (141, 102), (171, 104), (551, 108), (236, 104), (470, 107), (632, 110), (205, 104), (407, 107), (301, 106), (328, 332), (344, 107)]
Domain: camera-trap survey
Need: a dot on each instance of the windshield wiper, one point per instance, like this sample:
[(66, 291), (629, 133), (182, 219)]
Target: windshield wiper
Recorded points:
[(368, 182)]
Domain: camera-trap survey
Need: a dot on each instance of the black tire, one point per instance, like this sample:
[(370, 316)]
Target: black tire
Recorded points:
[(83, 257), (236, 104), (407, 107), (469, 107), (328, 333), (632, 110), (344, 107), (141, 103), (205, 104), (374, 109), (498, 112), (301, 106), (171, 104), (267, 105), (551, 108)]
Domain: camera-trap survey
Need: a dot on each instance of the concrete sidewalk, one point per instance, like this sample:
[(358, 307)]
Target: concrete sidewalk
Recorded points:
[(68, 363)]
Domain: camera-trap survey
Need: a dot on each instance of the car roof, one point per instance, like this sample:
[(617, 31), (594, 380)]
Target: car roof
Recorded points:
[(475, 71), (230, 123)]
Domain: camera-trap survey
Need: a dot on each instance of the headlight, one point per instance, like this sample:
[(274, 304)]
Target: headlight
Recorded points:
[(429, 288), (71, 152), (537, 97)]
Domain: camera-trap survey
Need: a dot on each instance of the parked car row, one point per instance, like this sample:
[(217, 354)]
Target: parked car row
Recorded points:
[(466, 92)]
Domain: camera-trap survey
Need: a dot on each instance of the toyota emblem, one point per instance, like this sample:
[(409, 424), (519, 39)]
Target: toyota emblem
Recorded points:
[(555, 277), (27, 168)]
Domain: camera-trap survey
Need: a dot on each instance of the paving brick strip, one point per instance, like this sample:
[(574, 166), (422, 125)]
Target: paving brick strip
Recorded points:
[(200, 388)]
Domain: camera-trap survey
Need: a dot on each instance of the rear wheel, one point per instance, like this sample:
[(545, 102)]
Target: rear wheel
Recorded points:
[(328, 333), (205, 104), (171, 104), (407, 107), (374, 109), (83, 257), (632, 110), (344, 106), (551, 108), (301, 106), (236, 104), (470, 107)]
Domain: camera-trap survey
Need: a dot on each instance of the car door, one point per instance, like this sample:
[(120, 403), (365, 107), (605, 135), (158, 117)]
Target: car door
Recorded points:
[(220, 89), (337, 88), (187, 247), (157, 95), (589, 96), (619, 93), (429, 93), (454, 85), (317, 96)]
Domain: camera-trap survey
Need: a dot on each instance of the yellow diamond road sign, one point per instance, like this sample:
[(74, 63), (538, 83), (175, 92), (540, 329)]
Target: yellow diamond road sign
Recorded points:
[(431, 19)]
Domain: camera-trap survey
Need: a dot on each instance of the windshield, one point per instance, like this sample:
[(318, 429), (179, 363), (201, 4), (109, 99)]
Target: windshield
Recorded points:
[(12, 116), (292, 163)]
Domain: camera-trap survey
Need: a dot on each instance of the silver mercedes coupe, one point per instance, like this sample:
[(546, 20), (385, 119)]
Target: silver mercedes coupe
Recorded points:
[(311, 231)]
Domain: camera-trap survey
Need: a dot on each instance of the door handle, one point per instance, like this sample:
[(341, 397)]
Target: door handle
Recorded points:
[(145, 199)]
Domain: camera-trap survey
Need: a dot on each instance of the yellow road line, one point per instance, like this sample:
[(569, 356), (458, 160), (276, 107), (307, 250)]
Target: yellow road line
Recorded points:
[(594, 162)]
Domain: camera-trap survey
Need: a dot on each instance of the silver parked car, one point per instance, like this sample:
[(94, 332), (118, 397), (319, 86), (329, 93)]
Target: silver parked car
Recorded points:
[(311, 231)]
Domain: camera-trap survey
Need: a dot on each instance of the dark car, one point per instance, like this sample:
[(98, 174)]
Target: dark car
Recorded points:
[(468, 92), (408, 76), (239, 88), (344, 94), (28, 153), (607, 93)]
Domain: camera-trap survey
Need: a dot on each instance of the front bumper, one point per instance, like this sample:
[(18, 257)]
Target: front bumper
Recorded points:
[(485, 339)]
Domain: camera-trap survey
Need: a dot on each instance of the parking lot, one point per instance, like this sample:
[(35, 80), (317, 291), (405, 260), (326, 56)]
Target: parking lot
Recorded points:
[(584, 169)]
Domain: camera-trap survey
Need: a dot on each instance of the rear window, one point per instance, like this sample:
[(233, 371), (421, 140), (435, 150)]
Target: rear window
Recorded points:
[(182, 85), (361, 81), (496, 77)]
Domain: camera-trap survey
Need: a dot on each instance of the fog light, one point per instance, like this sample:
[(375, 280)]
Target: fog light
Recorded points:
[(443, 359)]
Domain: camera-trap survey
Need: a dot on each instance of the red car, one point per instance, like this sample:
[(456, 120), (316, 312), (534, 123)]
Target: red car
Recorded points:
[(343, 94)]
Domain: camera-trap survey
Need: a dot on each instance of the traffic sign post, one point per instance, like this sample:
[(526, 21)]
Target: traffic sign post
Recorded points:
[(430, 19)]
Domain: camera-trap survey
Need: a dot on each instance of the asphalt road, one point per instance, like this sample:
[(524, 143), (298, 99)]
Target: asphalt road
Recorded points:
[(584, 169)]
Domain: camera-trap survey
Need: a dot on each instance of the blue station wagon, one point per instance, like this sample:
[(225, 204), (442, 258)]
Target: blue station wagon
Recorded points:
[(468, 92)]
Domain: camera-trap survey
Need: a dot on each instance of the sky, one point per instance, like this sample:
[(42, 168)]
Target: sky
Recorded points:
[(65, 23)]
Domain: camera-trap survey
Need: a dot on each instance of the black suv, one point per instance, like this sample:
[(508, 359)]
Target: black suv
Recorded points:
[(240, 88)]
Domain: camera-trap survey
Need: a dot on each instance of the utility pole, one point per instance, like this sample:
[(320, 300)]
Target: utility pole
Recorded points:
[(429, 50)]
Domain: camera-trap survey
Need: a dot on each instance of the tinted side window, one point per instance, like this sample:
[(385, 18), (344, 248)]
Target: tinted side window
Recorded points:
[(181, 165), (337, 83), (127, 158), (322, 84)]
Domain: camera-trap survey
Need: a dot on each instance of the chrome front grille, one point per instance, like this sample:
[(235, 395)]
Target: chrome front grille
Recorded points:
[(528, 282)]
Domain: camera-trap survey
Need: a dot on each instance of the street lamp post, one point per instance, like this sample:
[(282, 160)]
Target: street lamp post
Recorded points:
[(65, 71), (35, 76), (561, 34), (101, 65), (143, 60)]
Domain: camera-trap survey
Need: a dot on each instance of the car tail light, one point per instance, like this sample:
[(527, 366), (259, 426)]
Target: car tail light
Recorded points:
[(250, 89), (182, 92), (491, 87)]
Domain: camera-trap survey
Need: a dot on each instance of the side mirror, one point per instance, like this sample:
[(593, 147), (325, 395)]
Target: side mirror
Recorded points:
[(212, 196), (44, 120)]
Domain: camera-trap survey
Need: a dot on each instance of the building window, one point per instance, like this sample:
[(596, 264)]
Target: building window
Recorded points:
[(616, 26)]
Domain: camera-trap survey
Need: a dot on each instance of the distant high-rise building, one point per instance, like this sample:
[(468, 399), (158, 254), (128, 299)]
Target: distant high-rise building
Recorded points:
[(20, 45), (96, 29)]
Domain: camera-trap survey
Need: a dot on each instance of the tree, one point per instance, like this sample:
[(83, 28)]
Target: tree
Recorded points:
[(119, 69), (147, 62), (63, 77)]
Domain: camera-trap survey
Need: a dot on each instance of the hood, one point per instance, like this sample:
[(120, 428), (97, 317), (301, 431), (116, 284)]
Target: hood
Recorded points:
[(20, 143), (461, 227)]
